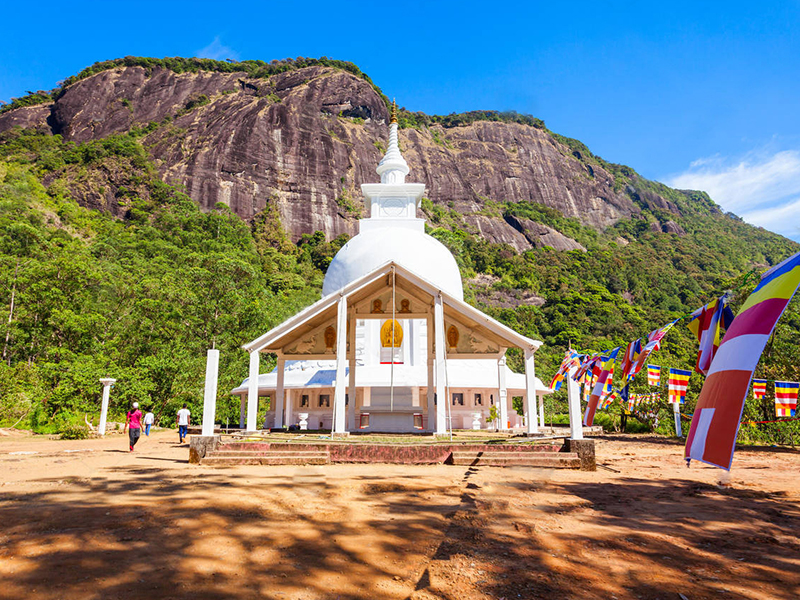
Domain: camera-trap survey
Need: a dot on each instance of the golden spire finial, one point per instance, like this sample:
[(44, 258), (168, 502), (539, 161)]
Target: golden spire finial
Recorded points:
[(393, 118)]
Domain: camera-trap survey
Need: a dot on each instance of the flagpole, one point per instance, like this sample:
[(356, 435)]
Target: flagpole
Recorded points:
[(676, 411)]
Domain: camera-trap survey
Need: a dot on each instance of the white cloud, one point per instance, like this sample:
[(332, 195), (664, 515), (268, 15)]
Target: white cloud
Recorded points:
[(762, 187), (783, 218), (217, 51)]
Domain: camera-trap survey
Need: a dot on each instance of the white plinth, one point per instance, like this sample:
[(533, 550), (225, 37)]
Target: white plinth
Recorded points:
[(303, 424), (476, 420)]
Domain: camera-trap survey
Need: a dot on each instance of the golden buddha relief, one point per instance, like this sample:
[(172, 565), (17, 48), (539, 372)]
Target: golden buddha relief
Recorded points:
[(330, 337), (377, 307), (452, 337), (387, 334)]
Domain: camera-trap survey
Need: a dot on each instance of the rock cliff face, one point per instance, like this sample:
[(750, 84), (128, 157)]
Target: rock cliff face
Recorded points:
[(302, 142)]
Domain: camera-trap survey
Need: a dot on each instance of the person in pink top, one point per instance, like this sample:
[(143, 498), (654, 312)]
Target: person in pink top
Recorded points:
[(133, 423)]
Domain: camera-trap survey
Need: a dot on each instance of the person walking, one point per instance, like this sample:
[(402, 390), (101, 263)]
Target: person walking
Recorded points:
[(184, 418), (149, 418), (133, 423)]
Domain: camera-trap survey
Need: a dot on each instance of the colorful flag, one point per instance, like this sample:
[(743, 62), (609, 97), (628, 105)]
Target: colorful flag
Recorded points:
[(786, 398), (712, 436), (571, 359), (654, 374), (678, 384), (653, 344), (759, 388), (606, 369), (632, 353), (704, 323)]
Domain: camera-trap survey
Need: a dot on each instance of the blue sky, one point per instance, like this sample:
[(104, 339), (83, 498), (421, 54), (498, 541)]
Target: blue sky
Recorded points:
[(699, 95)]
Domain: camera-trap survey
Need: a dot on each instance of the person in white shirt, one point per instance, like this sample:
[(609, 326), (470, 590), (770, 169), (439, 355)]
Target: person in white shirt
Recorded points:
[(184, 417), (148, 421)]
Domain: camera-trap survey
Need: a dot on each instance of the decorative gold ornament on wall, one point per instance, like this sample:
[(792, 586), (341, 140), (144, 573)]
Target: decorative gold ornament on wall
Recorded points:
[(386, 334)]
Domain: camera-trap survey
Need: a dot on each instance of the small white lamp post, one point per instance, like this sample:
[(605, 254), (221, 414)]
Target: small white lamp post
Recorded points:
[(107, 383)]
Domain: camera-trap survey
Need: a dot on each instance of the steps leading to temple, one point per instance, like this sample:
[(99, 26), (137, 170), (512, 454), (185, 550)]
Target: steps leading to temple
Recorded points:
[(549, 460), (227, 457), (282, 453)]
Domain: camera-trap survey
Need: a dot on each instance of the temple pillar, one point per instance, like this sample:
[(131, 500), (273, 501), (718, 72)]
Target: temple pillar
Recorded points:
[(252, 392), (502, 393), (351, 384), (289, 407), (341, 369), (441, 367), (541, 411), (531, 420), (280, 393)]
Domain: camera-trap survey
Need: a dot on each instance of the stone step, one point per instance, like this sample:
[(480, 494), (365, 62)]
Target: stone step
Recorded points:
[(519, 454), (554, 460), (257, 453), (288, 459)]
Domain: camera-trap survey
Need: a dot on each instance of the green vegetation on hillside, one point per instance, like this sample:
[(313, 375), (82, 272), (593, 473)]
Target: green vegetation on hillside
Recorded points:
[(257, 69)]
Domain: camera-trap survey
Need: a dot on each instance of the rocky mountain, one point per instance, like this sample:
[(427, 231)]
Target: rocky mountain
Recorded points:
[(302, 141)]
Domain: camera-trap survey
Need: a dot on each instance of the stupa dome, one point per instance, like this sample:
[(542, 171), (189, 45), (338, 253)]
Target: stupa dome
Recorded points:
[(416, 251)]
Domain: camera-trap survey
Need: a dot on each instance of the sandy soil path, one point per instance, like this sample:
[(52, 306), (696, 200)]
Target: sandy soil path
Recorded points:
[(88, 519)]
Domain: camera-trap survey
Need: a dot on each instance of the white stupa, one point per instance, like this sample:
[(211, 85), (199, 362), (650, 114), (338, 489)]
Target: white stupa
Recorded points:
[(393, 232)]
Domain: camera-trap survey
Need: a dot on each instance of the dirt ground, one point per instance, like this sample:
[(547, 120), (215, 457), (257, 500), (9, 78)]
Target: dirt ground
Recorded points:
[(87, 519)]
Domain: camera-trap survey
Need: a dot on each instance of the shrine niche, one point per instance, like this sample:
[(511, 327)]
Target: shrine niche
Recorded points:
[(377, 307)]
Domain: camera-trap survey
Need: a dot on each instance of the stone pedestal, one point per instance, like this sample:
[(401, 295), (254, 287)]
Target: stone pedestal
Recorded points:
[(585, 451), (200, 445), (340, 435), (476, 420), (303, 424)]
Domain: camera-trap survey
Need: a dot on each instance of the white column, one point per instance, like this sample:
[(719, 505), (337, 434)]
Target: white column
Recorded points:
[(107, 383), (441, 367), (341, 363), (252, 392), (242, 411), (210, 395), (502, 392), (532, 417), (574, 404), (351, 387), (279, 399), (541, 411), (289, 406), (676, 412)]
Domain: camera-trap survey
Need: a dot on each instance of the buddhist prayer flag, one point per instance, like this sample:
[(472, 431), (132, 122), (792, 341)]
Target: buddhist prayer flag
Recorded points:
[(759, 388), (786, 398), (704, 323), (712, 436), (653, 374), (571, 359), (606, 369), (678, 384), (653, 344), (632, 353)]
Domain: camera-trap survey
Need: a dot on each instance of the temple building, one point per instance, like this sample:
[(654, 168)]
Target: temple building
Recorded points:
[(392, 346)]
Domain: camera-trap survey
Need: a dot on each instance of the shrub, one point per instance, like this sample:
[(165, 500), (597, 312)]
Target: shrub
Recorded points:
[(74, 431)]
